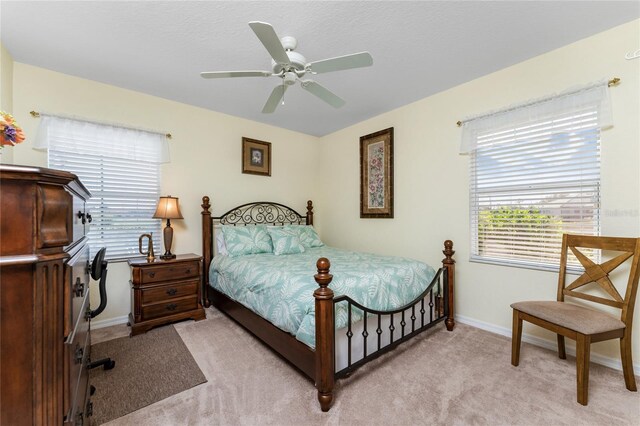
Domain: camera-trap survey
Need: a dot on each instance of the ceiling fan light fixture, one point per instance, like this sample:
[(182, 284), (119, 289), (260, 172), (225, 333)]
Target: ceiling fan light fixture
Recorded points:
[(289, 78)]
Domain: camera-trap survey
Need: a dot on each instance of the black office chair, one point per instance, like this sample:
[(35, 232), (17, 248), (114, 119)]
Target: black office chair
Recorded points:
[(99, 273)]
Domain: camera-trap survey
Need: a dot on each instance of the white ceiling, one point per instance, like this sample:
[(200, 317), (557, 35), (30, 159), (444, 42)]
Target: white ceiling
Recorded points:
[(418, 48)]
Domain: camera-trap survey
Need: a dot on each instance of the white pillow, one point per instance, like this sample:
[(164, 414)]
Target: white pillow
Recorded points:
[(220, 247)]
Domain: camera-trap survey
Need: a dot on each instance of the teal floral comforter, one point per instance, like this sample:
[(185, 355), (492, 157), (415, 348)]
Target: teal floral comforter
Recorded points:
[(280, 288)]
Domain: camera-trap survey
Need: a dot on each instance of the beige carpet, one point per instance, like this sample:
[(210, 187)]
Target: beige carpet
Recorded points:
[(149, 367), (462, 377)]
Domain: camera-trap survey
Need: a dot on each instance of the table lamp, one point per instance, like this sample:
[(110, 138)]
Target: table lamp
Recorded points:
[(168, 208)]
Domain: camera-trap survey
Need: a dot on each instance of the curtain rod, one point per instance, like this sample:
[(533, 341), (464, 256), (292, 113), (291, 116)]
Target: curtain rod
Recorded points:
[(613, 82), (36, 114)]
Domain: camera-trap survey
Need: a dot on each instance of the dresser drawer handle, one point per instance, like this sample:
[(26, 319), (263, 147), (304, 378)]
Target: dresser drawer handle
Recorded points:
[(78, 288), (189, 271), (171, 307), (79, 355), (152, 274), (172, 291)]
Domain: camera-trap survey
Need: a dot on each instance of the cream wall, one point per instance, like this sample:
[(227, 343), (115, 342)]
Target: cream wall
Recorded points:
[(432, 179), (205, 154), (6, 93)]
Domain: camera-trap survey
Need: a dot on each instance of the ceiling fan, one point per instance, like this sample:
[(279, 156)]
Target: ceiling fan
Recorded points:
[(291, 66)]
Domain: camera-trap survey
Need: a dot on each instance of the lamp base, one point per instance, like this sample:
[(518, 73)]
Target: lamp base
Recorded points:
[(168, 239)]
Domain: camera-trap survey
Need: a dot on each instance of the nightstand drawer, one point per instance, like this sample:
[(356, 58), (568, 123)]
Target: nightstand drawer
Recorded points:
[(170, 291), (179, 271), (170, 307)]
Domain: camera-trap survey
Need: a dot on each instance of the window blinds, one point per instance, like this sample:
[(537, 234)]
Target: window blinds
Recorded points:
[(530, 182), (121, 168)]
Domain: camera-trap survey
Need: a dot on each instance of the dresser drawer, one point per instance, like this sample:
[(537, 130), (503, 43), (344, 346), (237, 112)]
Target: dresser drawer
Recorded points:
[(79, 282), (154, 274), (81, 327), (80, 409), (79, 218), (169, 307), (78, 355), (171, 291)]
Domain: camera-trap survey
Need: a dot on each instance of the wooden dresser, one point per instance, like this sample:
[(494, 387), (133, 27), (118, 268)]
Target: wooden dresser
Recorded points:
[(44, 297), (165, 291)]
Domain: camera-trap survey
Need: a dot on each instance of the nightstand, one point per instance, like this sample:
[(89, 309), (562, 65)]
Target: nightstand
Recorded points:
[(165, 291)]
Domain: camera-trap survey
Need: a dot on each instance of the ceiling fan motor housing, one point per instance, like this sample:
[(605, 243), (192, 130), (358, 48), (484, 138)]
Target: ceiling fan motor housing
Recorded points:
[(296, 60)]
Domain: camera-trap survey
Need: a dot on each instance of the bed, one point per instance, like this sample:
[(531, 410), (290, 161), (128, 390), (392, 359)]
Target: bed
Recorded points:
[(325, 334)]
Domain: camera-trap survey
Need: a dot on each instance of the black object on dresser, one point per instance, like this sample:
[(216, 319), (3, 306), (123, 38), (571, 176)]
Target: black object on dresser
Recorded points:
[(165, 291), (44, 297)]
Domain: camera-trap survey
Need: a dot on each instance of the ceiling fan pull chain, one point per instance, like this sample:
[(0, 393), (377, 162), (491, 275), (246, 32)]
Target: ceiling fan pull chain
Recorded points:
[(283, 91)]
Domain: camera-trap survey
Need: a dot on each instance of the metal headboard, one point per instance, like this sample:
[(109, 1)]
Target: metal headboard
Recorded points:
[(265, 212)]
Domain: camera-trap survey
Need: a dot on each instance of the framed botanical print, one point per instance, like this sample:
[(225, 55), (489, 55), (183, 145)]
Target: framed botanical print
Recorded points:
[(256, 157), (376, 174)]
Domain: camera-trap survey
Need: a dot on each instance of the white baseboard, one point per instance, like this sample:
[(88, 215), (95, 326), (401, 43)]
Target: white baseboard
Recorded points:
[(111, 321), (547, 344)]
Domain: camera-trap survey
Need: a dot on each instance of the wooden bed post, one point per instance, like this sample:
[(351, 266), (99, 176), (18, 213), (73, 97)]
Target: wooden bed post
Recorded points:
[(325, 330), (449, 264), (309, 212), (207, 249)]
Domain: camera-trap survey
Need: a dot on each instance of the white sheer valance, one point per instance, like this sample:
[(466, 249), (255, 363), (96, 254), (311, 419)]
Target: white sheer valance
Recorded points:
[(548, 108), (88, 138)]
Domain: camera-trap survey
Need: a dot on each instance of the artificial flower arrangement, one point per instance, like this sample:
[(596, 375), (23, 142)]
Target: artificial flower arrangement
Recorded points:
[(10, 132)]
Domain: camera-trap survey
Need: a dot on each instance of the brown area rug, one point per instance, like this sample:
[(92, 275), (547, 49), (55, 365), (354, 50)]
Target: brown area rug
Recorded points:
[(149, 367)]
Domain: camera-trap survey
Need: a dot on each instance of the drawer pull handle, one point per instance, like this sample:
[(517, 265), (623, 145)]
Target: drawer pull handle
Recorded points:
[(79, 355), (188, 271), (78, 288), (172, 306), (172, 291), (152, 274)]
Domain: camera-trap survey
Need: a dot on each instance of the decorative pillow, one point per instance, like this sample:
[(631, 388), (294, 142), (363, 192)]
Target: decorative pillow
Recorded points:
[(285, 241), (242, 240), (307, 235), (220, 247)]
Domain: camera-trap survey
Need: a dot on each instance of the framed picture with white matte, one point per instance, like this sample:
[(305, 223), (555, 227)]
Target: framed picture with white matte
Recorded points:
[(256, 157)]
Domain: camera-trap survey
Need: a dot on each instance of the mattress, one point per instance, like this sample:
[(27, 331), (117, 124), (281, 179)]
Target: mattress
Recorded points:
[(280, 288)]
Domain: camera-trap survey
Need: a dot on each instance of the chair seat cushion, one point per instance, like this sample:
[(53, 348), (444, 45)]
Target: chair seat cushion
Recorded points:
[(574, 317)]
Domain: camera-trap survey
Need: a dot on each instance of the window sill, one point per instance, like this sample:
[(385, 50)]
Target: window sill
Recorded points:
[(526, 265)]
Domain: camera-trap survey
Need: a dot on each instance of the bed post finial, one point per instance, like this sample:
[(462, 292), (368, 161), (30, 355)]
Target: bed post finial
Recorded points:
[(309, 212), (449, 264), (207, 249), (325, 330)]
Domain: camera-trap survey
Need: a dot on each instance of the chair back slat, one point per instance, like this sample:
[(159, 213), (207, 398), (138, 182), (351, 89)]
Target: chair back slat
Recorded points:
[(593, 298), (603, 243), (599, 273)]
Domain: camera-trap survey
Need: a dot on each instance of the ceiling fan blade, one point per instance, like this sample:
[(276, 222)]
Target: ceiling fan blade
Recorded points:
[(226, 74), (270, 40), (355, 60), (274, 99), (323, 93)]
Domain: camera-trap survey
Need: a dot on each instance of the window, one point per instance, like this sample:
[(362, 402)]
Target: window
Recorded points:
[(534, 176), (121, 168)]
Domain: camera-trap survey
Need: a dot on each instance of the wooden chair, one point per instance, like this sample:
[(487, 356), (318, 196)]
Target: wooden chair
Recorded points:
[(585, 325)]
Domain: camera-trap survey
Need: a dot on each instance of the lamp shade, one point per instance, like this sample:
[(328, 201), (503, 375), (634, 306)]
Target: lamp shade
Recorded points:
[(168, 208)]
